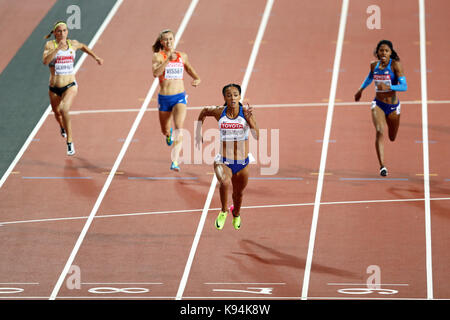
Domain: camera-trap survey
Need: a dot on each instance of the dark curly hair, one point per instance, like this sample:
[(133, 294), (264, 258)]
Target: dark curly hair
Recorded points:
[(394, 55)]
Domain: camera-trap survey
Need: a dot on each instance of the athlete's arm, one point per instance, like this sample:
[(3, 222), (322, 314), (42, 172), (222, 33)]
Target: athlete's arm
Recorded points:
[(251, 121), (49, 52), (159, 64), (366, 82), (398, 70), (212, 111), (190, 70), (81, 46)]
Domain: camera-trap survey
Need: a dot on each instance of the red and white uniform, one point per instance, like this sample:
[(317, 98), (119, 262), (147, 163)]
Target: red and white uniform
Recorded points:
[(174, 69), (64, 60)]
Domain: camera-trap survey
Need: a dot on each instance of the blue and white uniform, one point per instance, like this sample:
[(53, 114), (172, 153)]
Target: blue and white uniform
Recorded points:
[(388, 77), (236, 129)]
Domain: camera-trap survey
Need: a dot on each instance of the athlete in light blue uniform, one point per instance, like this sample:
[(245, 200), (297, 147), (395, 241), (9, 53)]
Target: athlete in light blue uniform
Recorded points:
[(387, 74)]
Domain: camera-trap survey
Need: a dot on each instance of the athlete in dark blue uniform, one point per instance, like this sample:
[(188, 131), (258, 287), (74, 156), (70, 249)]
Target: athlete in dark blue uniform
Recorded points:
[(387, 74)]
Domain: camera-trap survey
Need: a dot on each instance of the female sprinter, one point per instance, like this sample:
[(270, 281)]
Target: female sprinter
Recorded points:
[(59, 54), (230, 166), (169, 66), (388, 77)]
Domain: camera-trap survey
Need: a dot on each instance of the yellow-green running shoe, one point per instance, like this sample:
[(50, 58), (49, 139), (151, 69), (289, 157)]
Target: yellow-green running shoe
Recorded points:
[(236, 220), (220, 220)]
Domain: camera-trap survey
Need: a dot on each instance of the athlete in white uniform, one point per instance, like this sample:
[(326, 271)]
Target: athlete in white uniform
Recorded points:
[(231, 165), (59, 55)]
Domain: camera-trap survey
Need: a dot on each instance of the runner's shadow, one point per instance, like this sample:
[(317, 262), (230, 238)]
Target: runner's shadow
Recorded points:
[(282, 259)]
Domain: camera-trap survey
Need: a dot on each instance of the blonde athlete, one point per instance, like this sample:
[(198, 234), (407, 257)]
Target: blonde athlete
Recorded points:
[(231, 165), (59, 55), (169, 66)]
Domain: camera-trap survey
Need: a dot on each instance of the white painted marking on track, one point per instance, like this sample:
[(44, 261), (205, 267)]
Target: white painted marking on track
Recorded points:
[(261, 106), (250, 65), (426, 166), (190, 211), (323, 157)]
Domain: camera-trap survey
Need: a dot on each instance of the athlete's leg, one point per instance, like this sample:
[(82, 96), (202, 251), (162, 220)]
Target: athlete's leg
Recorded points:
[(64, 107), (223, 174), (239, 182), (179, 115), (164, 120), (55, 100), (379, 121), (393, 122)]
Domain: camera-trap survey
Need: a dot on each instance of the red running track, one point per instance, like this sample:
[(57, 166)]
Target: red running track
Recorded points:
[(143, 231)]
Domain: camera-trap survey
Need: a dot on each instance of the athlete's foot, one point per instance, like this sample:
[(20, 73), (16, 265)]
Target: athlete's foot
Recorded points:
[(70, 149), (63, 132), (220, 220), (174, 166), (236, 219), (383, 171), (169, 140)]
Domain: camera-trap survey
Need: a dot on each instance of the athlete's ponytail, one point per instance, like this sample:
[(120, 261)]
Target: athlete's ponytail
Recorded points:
[(394, 55), (157, 45), (57, 23)]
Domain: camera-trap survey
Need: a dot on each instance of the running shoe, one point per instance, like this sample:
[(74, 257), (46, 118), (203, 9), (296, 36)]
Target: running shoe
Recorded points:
[(220, 220), (169, 140), (383, 171), (174, 166), (236, 220), (70, 149), (63, 133)]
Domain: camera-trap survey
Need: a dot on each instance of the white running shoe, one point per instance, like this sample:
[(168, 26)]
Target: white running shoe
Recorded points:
[(383, 171), (70, 149)]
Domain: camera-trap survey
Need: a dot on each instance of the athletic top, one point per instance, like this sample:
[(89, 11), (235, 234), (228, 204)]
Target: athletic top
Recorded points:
[(64, 60), (233, 129), (174, 69), (385, 75)]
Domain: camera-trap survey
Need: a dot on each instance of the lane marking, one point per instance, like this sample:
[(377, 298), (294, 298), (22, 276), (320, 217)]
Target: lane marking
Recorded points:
[(162, 178), (263, 106), (215, 209), (326, 137), (121, 154), (426, 165), (52, 178), (373, 179), (245, 81)]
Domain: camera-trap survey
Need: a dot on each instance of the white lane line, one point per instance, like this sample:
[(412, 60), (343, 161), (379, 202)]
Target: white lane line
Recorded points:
[(260, 106), (326, 137), (190, 211), (118, 160), (49, 107), (426, 167), (248, 71)]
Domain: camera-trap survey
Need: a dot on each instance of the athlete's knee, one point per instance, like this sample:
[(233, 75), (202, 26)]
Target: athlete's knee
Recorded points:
[(225, 183)]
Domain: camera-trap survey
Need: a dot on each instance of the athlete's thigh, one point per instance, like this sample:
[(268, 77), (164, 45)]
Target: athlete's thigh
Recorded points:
[(179, 115), (240, 179)]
